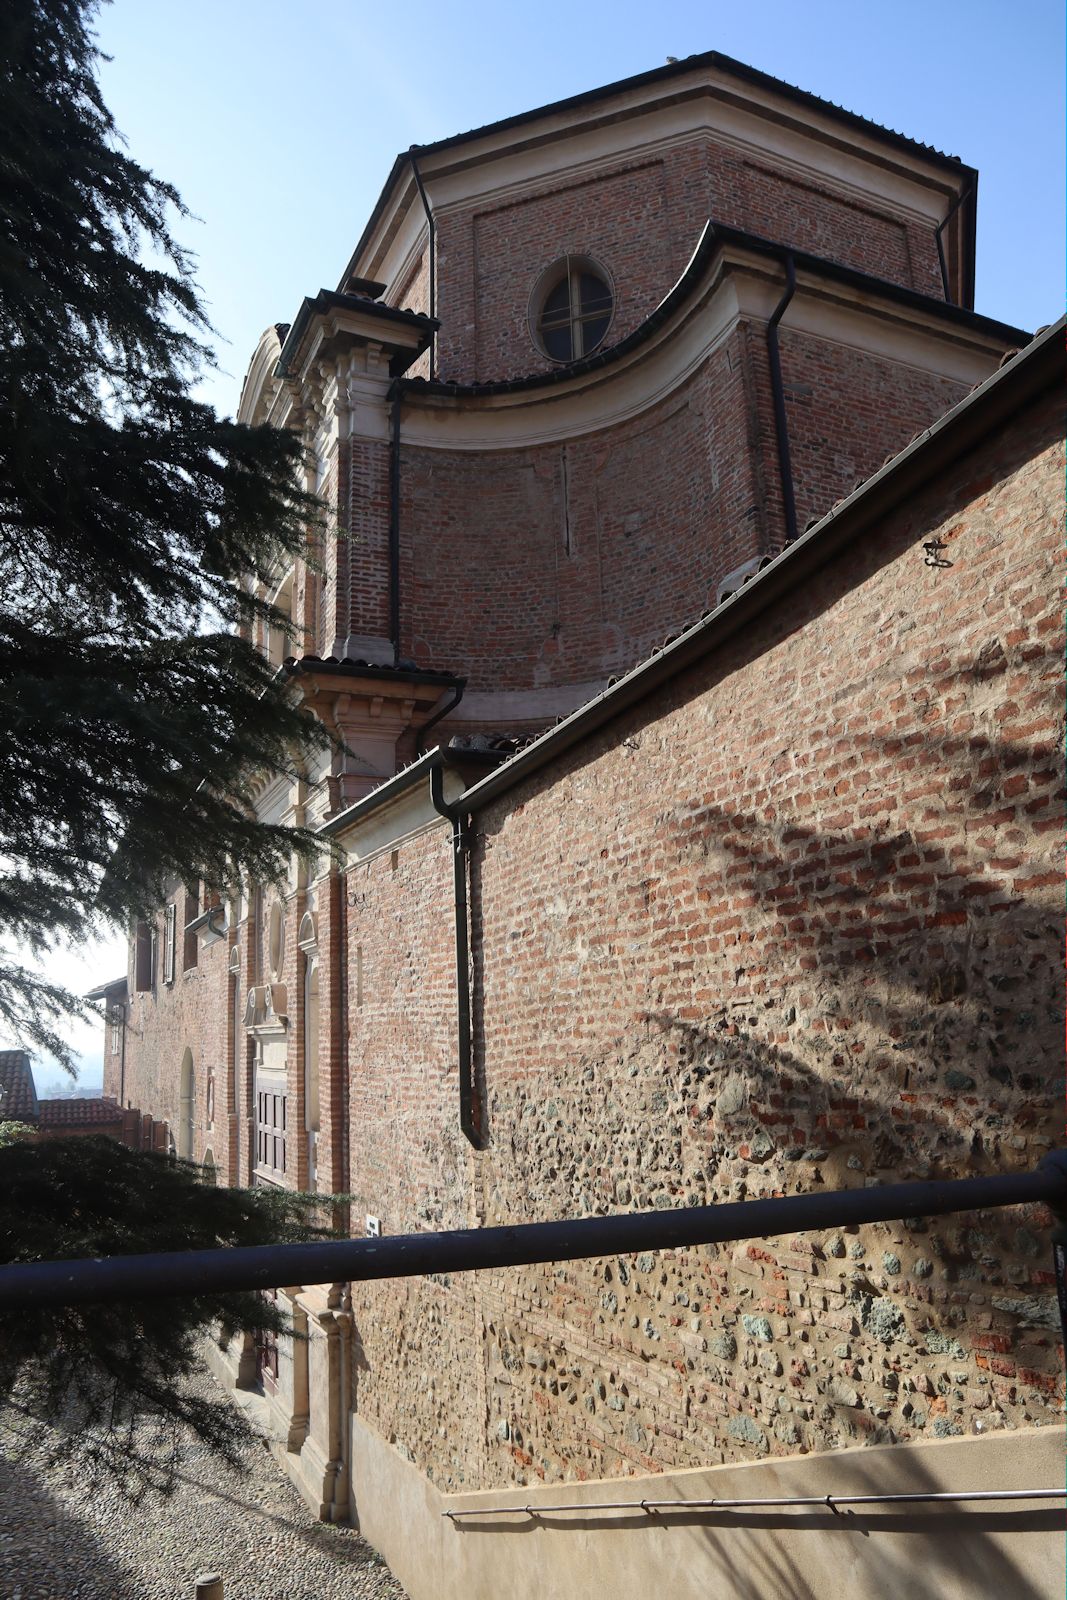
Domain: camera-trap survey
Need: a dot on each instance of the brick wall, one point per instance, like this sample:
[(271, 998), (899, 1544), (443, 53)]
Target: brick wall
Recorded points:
[(794, 922), (564, 563), (196, 1012), (838, 227), (191, 1013), (362, 585), (847, 410), (640, 217)]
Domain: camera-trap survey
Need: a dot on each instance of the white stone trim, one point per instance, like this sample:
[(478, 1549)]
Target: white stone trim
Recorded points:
[(750, 120), (741, 286)]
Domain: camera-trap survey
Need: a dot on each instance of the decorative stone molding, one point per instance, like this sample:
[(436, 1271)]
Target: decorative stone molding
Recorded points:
[(267, 1009)]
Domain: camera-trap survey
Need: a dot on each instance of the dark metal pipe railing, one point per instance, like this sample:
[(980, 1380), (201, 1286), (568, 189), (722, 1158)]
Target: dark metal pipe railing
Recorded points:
[(56, 1283), (828, 1501)]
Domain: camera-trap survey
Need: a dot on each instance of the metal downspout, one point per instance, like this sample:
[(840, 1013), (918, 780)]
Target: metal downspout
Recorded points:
[(939, 232), (345, 1175), (438, 716), (469, 1109), (431, 251), (781, 425), (338, 1511)]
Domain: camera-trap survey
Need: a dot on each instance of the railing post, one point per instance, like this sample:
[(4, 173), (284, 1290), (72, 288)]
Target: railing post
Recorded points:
[(209, 1587)]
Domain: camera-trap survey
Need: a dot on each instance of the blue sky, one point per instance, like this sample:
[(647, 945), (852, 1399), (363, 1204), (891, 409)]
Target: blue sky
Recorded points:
[(278, 123)]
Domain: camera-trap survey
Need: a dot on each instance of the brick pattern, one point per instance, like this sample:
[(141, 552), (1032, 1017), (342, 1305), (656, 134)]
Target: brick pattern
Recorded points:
[(793, 922), (641, 218), (847, 410), (811, 219), (361, 592), (565, 563)]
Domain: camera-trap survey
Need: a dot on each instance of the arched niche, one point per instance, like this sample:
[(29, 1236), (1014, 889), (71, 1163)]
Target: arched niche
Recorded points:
[(185, 1107)]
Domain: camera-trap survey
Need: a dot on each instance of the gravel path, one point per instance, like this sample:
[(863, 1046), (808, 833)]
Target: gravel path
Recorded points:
[(65, 1540)]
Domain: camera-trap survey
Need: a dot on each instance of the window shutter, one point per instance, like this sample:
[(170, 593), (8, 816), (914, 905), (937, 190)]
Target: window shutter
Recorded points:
[(142, 977), (170, 924)]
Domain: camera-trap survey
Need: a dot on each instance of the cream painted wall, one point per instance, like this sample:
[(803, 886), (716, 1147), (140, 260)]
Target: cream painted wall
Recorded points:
[(1011, 1551)]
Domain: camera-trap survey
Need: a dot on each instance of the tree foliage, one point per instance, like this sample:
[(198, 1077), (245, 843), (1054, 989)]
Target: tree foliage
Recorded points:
[(134, 709), (106, 1379)]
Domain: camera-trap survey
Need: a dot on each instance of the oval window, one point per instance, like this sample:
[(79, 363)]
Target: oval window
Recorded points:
[(574, 305)]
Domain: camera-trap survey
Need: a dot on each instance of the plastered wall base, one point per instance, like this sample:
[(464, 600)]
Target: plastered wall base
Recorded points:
[(924, 1552)]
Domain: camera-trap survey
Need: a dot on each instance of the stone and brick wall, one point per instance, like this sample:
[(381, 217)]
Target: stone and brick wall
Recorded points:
[(793, 922)]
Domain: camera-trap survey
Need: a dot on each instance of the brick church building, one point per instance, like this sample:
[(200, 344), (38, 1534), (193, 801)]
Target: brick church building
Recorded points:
[(687, 615)]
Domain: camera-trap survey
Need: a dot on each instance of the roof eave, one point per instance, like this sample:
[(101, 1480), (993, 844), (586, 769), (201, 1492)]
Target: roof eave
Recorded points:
[(713, 240), (412, 330), (664, 74), (462, 761)]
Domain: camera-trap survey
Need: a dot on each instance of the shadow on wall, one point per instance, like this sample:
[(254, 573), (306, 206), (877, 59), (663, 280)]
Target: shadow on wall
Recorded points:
[(923, 1553), (894, 995), (884, 1004)]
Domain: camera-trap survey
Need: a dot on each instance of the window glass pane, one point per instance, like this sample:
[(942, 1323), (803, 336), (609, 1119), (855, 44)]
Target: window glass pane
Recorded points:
[(575, 314), (558, 302), (595, 296), (557, 342), (593, 330)]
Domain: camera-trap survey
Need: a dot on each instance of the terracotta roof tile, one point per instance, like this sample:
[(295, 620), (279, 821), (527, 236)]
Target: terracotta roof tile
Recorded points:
[(86, 1113)]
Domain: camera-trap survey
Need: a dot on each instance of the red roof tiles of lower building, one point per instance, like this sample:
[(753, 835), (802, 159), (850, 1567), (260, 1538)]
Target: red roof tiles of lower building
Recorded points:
[(96, 1112)]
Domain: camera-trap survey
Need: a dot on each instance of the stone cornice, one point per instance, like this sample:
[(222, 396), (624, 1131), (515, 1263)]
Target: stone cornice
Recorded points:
[(731, 278)]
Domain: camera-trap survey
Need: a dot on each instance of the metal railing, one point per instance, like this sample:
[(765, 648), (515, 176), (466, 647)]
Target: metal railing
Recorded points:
[(825, 1501), (198, 1272)]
